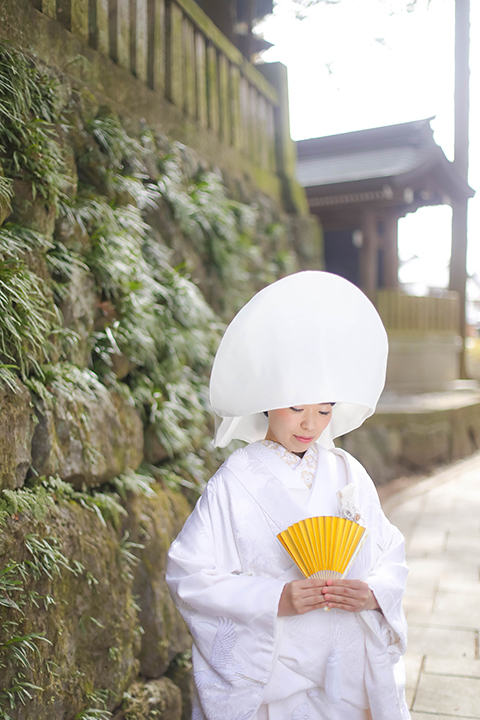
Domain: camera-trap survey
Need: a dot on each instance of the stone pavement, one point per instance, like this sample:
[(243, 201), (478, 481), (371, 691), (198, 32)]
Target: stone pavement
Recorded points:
[(440, 518)]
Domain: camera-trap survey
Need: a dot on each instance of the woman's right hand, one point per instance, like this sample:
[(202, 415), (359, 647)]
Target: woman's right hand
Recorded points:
[(301, 596)]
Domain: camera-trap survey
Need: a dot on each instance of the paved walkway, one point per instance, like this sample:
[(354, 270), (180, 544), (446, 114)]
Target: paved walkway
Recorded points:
[(440, 518)]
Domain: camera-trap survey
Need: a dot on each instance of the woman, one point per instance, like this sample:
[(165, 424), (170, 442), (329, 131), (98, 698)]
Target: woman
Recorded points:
[(303, 362)]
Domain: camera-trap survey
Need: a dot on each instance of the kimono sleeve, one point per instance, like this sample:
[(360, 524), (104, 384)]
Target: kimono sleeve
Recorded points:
[(387, 582), (388, 574), (232, 616)]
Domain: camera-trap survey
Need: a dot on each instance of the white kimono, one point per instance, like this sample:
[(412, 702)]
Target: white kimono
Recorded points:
[(227, 570)]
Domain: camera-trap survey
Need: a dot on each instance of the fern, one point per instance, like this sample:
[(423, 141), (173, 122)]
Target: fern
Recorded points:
[(27, 116)]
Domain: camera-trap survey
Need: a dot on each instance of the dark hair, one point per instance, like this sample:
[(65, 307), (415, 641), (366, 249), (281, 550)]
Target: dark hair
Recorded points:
[(265, 412)]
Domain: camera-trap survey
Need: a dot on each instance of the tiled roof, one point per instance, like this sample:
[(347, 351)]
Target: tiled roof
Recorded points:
[(398, 152), (363, 164)]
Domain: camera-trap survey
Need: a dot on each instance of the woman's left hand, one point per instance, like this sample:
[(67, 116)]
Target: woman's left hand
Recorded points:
[(349, 595)]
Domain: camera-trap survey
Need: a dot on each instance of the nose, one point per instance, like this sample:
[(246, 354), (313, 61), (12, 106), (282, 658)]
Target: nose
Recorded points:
[(308, 420)]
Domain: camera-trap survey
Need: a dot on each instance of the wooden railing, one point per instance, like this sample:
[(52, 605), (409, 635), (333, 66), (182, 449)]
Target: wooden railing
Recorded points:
[(175, 49), (407, 314)]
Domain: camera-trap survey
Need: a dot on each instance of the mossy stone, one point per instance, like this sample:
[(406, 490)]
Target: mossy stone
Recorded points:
[(153, 700), (17, 424), (87, 445), (180, 672), (154, 522), (31, 212), (78, 311), (87, 617)]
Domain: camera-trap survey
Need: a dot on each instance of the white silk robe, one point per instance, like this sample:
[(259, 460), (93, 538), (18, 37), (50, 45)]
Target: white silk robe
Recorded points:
[(227, 570)]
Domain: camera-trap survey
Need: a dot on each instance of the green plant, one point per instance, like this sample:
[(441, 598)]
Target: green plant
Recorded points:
[(28, 317), (127, 558), (6, 190), (134, 482), (27, 135), (8, 377), (116, 161), (47, 558), (43, 493), (93, 714), (62, 263), (17, 649)]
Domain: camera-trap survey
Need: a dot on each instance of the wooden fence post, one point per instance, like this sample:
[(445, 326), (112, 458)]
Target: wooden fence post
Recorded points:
[(235, 107), (100, 30), (212, 88), (174, 70), (123, 34), (201, 79), (141, 41), (49, 8), (156, 45), (79, 19), (188, 61), (224, 97)]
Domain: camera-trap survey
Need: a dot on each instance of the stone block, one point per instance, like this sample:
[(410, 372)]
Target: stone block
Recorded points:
[(435, 716), (377, 448), (159, 699), (78, 310), (440, 641), (447, 666), (180, 672), (307, 240), (31, 212), (452, 696), (418, 605), (425, 443), (72, 235), (154, 522), (87, 443), (413, 666), (456, 609), (17, 424), (154, 451), (394, 444)]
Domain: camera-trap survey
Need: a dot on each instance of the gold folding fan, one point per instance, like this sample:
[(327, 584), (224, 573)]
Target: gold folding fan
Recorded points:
[(323, 547)]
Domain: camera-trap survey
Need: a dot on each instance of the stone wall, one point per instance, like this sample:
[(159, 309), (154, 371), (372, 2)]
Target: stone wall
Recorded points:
[(407, 441), (122, 255)]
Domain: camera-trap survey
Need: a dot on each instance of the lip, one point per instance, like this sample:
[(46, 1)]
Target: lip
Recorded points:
[(302, 439)]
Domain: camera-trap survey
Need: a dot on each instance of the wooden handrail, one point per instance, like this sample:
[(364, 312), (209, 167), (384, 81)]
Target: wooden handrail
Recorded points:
[(419, 315), (173, 47)]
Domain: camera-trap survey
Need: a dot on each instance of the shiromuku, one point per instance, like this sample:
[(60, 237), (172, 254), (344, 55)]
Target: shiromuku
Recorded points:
[(301, 364)]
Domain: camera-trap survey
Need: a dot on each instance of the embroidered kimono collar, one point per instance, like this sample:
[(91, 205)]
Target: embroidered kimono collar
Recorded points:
[(304, 466)]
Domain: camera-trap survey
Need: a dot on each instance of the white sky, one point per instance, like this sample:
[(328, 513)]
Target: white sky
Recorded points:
[(366, 63)]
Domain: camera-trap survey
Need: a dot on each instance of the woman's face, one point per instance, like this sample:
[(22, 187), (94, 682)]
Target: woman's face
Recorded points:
[(298, 427)]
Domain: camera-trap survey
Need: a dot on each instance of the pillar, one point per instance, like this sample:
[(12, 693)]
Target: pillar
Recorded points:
[(369, 254), (390, 248), (458, 264)]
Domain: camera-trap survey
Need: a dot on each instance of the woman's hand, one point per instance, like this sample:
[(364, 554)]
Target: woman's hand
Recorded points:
[(349, 595), (301, 596)]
